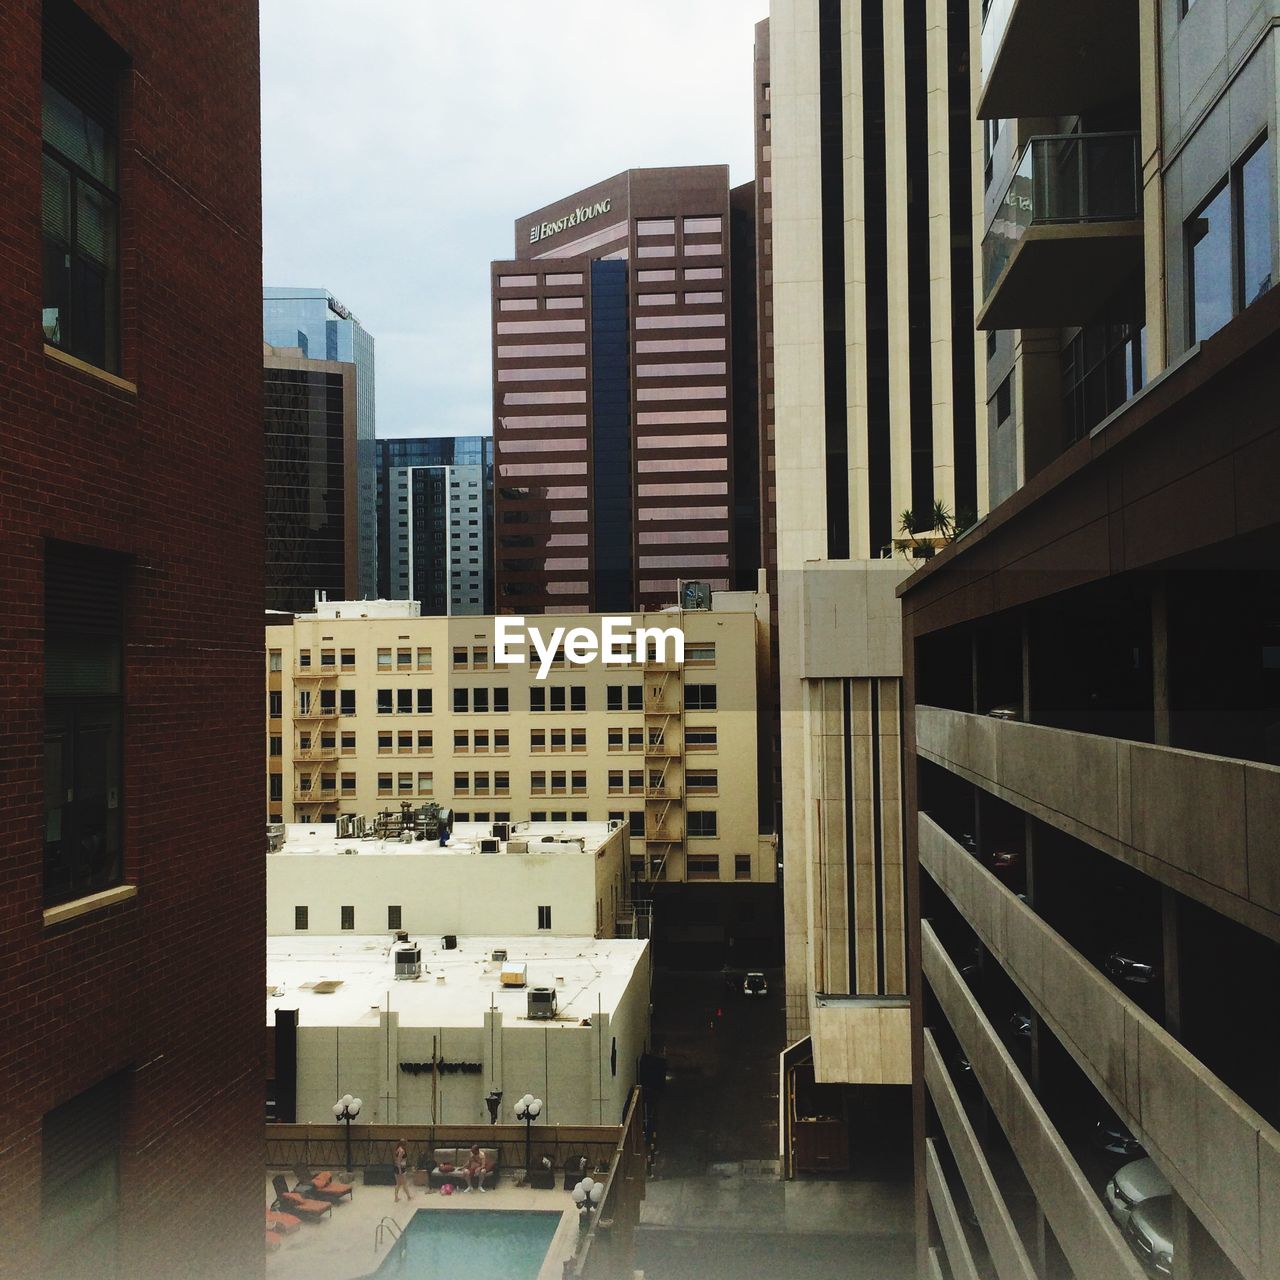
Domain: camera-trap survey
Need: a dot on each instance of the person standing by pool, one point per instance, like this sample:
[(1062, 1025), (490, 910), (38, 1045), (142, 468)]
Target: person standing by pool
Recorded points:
[(401, 1162)]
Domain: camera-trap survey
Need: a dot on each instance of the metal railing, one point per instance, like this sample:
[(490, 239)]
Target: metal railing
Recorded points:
[(1064, 179)]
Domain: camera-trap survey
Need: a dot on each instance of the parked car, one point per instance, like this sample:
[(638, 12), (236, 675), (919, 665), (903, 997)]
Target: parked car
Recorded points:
[(1114, 1138), (1020, 1025), (1132, 965), (1005, 862), (1150, 1234), (1133, 1184), (1006, 712), (755, 984)]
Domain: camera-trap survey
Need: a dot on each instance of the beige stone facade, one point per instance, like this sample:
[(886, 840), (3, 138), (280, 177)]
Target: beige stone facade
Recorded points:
[(366, 713)]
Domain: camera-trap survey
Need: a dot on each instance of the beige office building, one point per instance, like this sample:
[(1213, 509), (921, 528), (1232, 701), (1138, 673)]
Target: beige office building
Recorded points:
[(876, 415), (371, 707)]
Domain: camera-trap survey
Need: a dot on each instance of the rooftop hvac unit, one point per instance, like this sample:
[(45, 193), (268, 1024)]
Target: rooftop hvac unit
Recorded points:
[(517, 846), (541, 1002), (275, 837), (498, 955), (500, 829), (489, 845), (408, 963), (449, 942), (402, 935), (346, 826), (695, 595), (513, 975)]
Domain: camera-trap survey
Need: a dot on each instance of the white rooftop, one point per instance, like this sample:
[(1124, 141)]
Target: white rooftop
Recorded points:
[(364, 609), (312, 839), (589, 974)]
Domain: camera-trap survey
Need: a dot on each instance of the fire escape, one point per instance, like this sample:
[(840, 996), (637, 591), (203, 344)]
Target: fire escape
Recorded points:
[(664, 817), (315, 741)]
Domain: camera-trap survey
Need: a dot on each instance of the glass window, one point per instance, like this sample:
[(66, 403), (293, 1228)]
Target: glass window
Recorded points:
[(700, 697), (1254, 203), (404, 702), (273, 660), (577, 697), (385, 702), (395, 916), (83, 707), (348, 918), (742, 866), (80, 301), (1209, 248), (544, 917), (702, 822), (300, 917), (424, 740), (384, 742), (461, 700)]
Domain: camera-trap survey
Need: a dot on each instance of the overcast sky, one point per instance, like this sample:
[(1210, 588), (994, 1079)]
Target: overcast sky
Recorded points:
[(402, 138)]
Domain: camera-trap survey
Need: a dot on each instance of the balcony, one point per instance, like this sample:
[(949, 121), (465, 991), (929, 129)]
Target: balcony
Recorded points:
[(316, 754), (317, 712), (315, 673), (1045, 58), (1067, 235)]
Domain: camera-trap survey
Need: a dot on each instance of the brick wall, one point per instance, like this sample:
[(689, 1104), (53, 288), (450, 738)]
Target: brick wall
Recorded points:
[(168, 986)]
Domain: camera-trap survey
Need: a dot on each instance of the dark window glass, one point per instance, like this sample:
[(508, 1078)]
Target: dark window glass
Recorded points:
[(460, 700), (537, 699), (84, 619), (613, 698), (480, 699), (300, 917), (1209, 249), (1004, 400), (1255, 224), (700, 697), (275, 704), (544, 917), (384, 702), (393, 918), (577, 697), (347, 702), (424, 702), (348, 917), (404, 701), (80, 217), (702, 823), (635, 825), (557, 698), (501, 700)]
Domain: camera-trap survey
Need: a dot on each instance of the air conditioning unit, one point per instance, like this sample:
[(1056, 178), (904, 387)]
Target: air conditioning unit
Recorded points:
[(501, 829), (541, 1002), (449, 942), (275, 837), (489, 845), (408, 963), (513, 975), (498, 955), (517, 846)]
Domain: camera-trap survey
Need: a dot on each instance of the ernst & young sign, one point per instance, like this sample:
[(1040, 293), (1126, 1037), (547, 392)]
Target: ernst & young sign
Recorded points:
[(540, 231)]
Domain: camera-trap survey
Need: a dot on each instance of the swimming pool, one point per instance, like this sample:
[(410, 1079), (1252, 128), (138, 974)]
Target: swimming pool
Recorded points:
[(504, 1243)]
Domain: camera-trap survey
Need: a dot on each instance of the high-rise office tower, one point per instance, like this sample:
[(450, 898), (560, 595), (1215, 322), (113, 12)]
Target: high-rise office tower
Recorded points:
[(1093, 687), (435, 522), (131, 869), (309, 438), (315, 322), (614, 418), (876, 415)]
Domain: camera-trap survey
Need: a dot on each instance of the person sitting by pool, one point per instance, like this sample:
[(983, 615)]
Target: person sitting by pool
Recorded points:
[(476, 1169)]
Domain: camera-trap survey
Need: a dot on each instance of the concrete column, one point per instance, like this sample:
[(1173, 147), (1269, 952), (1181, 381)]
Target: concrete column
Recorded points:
[(491, 1050), (1150, 159), (1160, 663)]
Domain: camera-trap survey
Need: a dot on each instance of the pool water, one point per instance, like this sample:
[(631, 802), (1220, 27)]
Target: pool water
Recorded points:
[(505, 1244)]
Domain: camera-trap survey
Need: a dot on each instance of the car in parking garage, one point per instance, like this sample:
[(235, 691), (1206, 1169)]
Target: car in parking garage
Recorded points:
[(1131, 1185), (1150, 1234)]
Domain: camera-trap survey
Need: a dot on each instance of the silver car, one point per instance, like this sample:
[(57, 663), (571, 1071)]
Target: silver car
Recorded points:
[(1133, 1184), (1150, 1234)]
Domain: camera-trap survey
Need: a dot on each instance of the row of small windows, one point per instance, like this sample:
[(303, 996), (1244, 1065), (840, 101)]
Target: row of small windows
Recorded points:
[(395, 918), (464, 658), (479, 741)]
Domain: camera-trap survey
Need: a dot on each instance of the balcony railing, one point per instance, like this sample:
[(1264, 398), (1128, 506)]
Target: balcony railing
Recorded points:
[(1064, 180), (995, 21)]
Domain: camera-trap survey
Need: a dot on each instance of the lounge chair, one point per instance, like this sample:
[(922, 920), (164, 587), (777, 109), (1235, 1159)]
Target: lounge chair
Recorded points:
[(299, 1205), (320, 1186), (273, 1241), (284, 1223)]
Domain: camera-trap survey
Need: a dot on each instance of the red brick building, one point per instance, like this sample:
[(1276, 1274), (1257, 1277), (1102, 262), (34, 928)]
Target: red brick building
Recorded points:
[(131, 870)]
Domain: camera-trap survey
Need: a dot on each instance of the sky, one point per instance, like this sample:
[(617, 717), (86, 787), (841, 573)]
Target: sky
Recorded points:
[(402, 138)]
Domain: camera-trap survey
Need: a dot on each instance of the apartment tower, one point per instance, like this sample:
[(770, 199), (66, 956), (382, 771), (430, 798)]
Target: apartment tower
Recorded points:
[(875, 415), (614, 420), (131, 876), (1093, 727)]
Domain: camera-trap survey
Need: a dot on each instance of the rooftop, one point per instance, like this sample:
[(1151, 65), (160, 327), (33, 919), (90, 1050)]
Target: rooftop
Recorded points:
[(317, 839), (456, 986)]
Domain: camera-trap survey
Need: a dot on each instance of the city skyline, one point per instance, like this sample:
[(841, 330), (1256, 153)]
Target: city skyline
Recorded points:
[(339, 210)]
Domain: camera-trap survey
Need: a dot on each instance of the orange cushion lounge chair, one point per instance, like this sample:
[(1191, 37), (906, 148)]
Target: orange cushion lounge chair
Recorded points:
[(284, 1223), (298, 1205), (322, 1186)]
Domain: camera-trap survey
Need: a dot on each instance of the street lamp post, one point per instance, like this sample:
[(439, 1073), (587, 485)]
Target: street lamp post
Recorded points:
[(587, 1196), (346, 1109), (528, 1109)]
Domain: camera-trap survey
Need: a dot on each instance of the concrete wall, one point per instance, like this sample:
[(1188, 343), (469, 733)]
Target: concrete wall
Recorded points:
[(1220, 1156), (486, 894), (1090, 1240), (1202, 824), (569, 1066)]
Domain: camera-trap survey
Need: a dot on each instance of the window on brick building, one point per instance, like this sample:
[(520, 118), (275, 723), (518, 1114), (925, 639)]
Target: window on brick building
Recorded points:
[(83, 707), (80, 304)]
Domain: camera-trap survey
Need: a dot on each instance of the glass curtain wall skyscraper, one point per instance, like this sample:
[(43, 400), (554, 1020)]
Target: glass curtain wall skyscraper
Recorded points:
[(435, 517), (314, 321)]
